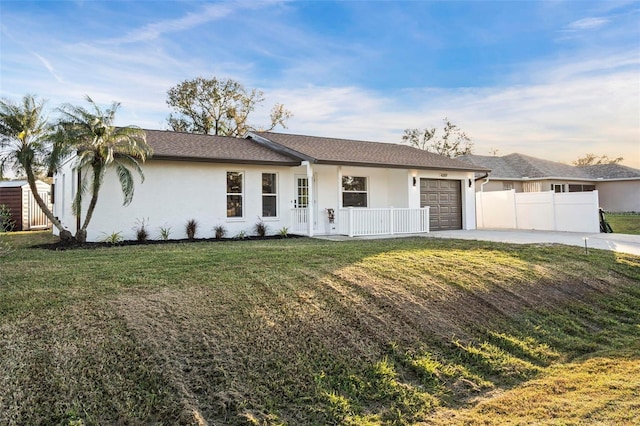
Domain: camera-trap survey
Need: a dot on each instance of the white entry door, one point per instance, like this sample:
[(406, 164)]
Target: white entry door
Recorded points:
[(304, 200)]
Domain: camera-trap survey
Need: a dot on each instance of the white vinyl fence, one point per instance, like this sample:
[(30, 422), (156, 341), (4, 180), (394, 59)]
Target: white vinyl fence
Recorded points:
[(544, 211)]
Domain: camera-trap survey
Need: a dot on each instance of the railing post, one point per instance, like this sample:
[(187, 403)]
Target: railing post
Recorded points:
[(391, 217), (426, 218), (350, 229)]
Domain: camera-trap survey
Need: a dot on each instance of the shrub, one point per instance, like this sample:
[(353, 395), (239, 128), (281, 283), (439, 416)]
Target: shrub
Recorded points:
[(165, 231), (241, 235), (141, 229), (220, 231), (284, 232), (191, 228), (7, 224), (113, 238), (5, 249), (261, 228)]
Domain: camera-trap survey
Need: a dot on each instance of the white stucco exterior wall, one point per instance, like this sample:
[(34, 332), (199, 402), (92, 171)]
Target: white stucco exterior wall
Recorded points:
[(174, 192), (619, 196)]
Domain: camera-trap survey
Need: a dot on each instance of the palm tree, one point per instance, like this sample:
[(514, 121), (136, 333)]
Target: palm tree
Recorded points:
[(101, 145), (28, 145)]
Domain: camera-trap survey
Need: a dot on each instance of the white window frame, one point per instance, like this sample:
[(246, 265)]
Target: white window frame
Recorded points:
[(365, 192), (273, 195), (228, 194), (555, 186)]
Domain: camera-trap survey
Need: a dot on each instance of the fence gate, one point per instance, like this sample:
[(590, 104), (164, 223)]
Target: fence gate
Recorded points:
[(36, 217)]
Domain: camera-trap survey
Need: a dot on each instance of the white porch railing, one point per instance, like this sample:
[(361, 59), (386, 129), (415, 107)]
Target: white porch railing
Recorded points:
[(382, 221), (364, 221), (299, 219)]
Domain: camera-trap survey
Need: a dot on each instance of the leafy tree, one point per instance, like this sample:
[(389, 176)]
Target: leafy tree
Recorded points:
[(217, 107), (453, 142), (592, 159), (28, 145), (101, 145)]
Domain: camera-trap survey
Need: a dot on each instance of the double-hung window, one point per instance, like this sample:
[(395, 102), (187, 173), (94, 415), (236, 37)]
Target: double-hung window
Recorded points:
[(235, 192), (269, 195), (354, 191)]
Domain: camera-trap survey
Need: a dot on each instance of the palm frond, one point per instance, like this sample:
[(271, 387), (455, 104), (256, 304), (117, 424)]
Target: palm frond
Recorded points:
[(126, 183)]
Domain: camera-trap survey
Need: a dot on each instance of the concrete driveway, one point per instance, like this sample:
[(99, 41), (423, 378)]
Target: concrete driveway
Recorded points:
[(615, 242)]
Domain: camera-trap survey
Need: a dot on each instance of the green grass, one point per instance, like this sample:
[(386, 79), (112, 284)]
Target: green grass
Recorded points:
[(301, 331), (624, 223)]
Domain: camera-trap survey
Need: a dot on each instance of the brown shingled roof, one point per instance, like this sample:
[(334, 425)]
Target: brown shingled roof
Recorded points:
[(171, 145), (351, 152)]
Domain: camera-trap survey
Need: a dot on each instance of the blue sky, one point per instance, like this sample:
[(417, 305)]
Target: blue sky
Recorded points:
[(552, 79)]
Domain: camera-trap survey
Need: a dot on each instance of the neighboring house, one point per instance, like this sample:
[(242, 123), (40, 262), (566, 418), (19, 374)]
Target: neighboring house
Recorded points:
[(310, 185), (618, 186), (17, 196)]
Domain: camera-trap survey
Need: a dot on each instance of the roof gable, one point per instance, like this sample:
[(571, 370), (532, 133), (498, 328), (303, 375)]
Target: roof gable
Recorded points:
[(520, 166), (612, 171), (324, 150), (180, 146)]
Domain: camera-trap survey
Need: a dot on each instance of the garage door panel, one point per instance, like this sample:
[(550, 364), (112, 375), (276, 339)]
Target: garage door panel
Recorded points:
[(444, 198)]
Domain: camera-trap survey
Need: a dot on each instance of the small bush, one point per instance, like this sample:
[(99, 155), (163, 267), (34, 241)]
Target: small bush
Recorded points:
[(220, 231), (261, 228), (113, 238), (141, 229), (191, 228), (241, 235), (7, 224), (5, 249), (165, 231), (284, 232)]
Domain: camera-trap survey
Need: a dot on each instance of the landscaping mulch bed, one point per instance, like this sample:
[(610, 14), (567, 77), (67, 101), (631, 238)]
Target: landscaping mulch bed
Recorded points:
[(61, 245)]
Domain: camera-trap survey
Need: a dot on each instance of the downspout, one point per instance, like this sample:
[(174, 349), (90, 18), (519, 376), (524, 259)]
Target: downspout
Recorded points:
[(78, 217), (310, 209), (486, 181)]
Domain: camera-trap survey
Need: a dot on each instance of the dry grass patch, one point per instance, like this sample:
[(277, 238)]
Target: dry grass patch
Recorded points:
[(599, 390)]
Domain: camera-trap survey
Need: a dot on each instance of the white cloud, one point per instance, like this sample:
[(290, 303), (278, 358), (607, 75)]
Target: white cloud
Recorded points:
[(48, 66), (586, 24), (556, 118), (209, 13)]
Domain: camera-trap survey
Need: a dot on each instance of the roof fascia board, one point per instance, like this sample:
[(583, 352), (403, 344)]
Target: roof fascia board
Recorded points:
[(533, 179), (597, 180), (223, 160), (398, 166), (281, 149)]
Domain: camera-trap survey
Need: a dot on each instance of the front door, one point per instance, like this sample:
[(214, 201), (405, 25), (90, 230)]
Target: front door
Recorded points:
[(303, 201)]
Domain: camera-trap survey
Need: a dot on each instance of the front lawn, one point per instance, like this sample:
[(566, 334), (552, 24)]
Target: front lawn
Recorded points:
[(624, 223), (302, 331)]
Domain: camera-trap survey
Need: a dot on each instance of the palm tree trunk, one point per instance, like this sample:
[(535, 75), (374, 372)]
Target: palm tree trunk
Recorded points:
[(65, 235), (81, 234)]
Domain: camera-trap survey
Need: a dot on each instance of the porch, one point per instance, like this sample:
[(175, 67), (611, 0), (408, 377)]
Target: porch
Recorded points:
[(355, 221)]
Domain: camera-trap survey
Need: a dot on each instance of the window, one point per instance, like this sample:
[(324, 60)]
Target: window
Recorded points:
[(507, 186), (354, 191), (269, 195), (234, 194), (557, 187), (581, 188)]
